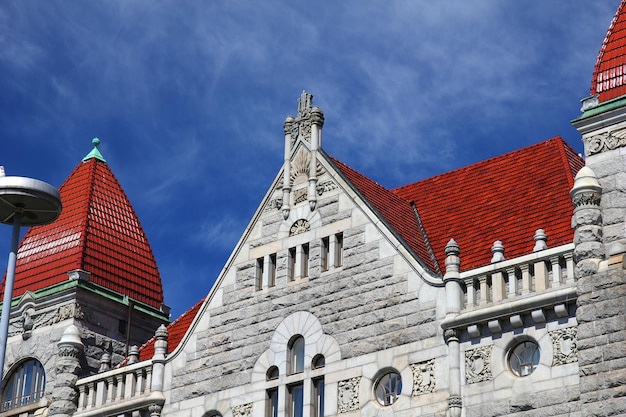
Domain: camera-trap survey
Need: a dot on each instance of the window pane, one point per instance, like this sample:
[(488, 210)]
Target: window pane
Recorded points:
[(305, 260), (272, 403), (524, 358), (339, 249), (296, 392), (388, 388), (318, 397), (297, 355), (25, 385), (324, 255)]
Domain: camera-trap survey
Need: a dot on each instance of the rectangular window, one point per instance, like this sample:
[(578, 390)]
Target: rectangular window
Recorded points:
[(259, 273), (292, 264), (271, 404), (318, 397), (271, 273), (324, 254), (305, 260), (338, 250), (296, 400)]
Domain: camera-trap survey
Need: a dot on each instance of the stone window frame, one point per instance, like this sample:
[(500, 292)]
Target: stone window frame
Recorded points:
[(39, 393), (387, 376), (316, 345), (523, 346)]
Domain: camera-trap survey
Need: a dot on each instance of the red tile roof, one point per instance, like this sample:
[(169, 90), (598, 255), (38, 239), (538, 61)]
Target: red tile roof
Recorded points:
[(504, 198), (397, 212), (97, 231), (609, 74), (176, 330)]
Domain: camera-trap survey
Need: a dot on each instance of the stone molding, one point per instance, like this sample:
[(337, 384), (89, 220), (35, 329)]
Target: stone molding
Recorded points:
[(242, 410), (30, 320), (588, 198), (605, 142), (478, 364), (423, 377), (348, 395), (564, 346)]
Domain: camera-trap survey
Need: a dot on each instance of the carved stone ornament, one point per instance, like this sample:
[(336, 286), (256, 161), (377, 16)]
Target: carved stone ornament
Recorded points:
[(455, 401), (605, 142), (478, 364), (30, 320), (274, 204), (243, 410), (299, 226), (450, 335), (423, 377), (68, 352), (588, 198), (564, 346), (325, 187), (299, 196), (155, 410), (348, 395), (300, 167)]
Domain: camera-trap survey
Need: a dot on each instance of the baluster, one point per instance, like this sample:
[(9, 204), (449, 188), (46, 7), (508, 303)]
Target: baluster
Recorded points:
[(525, 279), (148, 378), (129, 390), (111, 391), (101, 392), (556, 271), (90, 395), (82, 397), (512, 282), (119, 392), (569, 264), (471, 294), (483, 290)]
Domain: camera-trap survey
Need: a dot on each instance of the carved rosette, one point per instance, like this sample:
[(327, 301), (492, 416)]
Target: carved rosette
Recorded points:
[(423, 377), (348, 395), (478, 364), (299, 226), (243, 410), (605, 142), (564, 346)]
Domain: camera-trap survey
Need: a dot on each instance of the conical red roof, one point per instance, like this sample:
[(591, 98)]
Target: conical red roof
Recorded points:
[(98, 231), (609, 74)]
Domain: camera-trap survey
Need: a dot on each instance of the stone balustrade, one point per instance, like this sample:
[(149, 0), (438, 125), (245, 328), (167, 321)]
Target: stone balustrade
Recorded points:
[(517, 278)]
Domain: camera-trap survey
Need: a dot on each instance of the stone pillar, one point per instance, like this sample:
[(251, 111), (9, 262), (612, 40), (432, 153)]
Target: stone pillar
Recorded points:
[(454, 304), (287, 127), (67, 368), (587, 223), (317, 122), (158, 372)]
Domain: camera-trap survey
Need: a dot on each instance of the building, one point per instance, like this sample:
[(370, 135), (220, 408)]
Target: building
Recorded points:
[(495, 289)]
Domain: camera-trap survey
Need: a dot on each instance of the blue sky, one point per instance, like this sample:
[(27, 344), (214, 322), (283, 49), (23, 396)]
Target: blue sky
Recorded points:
[(189, 98)]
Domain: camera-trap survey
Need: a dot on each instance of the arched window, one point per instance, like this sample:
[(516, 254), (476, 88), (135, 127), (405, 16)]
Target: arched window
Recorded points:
[(25, 385), (296, 354)]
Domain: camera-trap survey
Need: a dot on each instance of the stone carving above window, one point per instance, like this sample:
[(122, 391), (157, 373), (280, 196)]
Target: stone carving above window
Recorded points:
[(348, 395), (605, 142), (326, 186), (243, 410), (300, 196), (299, 226), (478, 365), (564, 346), (423, 377)]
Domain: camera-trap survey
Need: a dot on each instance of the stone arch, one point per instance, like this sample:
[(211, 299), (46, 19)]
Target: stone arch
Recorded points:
[(316, 342)]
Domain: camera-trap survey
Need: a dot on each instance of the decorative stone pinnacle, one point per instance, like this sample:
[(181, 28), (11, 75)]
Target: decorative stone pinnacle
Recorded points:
[(317, 116), (452, 248), (540, 240), (498, 252), (161, 333), (304, 104), (133, 355), (587, 189), (71, 336)]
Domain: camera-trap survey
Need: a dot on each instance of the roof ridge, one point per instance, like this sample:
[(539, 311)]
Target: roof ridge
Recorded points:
[(478, 163)]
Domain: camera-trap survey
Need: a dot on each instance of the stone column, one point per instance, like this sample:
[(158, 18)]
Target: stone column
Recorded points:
[(454, 303), (317, 121), (587, 223), (158, 372), (287, 127), (67, 368)]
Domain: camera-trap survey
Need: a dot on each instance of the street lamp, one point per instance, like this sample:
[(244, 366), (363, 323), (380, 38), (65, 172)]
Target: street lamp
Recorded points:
[(28, 202)]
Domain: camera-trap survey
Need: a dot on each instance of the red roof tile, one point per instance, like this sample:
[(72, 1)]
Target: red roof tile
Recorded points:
[(609, 74), (398, 213), (505, 198), (176, 330), (97, 231)]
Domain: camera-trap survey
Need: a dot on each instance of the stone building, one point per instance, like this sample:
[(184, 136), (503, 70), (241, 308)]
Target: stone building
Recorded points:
[(495, 289)]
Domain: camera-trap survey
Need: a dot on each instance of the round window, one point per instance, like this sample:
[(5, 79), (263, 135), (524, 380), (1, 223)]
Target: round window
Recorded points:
[(388, 388), (524, 358)]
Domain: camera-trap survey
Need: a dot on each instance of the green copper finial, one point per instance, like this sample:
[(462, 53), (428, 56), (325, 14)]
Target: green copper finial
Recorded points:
[(95, 153)]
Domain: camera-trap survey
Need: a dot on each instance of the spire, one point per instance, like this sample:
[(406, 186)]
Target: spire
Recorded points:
[(98, 232), (95, 153)]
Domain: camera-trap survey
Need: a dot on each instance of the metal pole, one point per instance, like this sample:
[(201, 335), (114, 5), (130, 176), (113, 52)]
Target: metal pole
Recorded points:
[(8, 290)]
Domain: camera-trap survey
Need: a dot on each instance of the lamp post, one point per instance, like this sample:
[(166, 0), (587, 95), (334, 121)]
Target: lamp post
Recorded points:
[(28, 202)]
